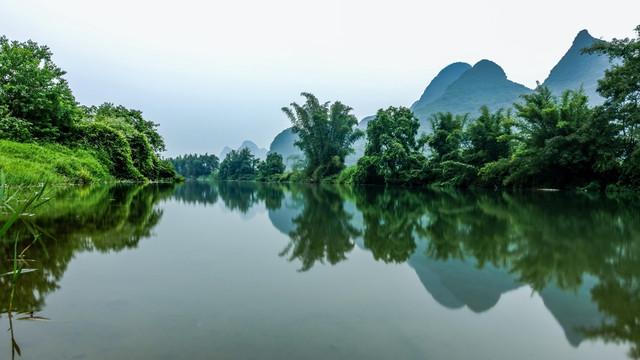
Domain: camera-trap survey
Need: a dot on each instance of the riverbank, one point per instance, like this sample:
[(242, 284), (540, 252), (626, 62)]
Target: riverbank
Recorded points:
[(28, 163)]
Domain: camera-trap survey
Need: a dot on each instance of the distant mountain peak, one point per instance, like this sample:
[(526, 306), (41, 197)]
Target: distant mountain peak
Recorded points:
[(582, 36), (439, 84), (257, 152), (489, 69), (248, 144), (485, 84), (576, 69)]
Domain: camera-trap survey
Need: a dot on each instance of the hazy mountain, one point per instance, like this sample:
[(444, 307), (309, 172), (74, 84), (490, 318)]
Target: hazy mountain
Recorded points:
[(460, 88), (283, 144), (484, 84), (224, 152), (436, 88), (259, 153), (576, 69), (439, 84)]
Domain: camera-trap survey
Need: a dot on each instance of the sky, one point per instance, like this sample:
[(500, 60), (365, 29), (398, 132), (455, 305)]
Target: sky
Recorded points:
[(216, 73)]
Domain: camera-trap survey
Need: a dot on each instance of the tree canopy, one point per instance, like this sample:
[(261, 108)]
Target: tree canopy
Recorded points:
[(32, 89), (194, 166), (239, 165), (621, 89), (326, 134), (392, 154), (36, 104)]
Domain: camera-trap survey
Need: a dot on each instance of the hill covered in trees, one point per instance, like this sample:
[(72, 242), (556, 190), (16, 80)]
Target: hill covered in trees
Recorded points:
[(460, 88), (45, 132)]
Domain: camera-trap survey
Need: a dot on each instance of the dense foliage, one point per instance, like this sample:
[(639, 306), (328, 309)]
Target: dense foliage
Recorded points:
[(33, 90), (621, 89), (392, 154), (326, 133), (272, 167), (239, 165), (36, 105), (193, 166), (550, 141)]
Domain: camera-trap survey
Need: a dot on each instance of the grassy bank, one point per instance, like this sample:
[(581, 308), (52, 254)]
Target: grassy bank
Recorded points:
[(26, 164)]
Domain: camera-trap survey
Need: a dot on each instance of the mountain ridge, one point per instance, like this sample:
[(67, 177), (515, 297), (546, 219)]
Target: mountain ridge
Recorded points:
[(259, 153), (576, 69), (460, 88)]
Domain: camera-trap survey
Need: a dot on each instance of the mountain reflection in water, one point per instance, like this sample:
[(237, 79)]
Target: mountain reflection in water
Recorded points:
[(578, 252)]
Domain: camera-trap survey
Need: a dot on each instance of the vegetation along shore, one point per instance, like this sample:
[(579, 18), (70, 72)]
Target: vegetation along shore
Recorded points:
[(547, 139), (45, 132)]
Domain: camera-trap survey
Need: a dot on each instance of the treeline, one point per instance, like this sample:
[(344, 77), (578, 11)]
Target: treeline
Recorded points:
[(549, 141), (37, 107), (237, 165)]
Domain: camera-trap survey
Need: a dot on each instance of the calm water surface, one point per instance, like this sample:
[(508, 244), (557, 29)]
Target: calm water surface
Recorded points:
[(260, 271)]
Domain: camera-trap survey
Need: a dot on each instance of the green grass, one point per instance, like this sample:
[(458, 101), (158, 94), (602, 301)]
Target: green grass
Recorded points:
[(26, 164)]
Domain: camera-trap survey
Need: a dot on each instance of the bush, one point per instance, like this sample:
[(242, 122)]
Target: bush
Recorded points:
[(494, 173), (346, 175), (458, 174), (15, 129), (112, 149)]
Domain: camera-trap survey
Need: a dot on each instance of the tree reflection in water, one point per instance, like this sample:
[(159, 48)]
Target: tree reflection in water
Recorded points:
[(543, 240), (323, 230), (101, 218)]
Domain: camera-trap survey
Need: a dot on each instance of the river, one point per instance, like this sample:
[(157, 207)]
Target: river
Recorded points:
[(236, 270)]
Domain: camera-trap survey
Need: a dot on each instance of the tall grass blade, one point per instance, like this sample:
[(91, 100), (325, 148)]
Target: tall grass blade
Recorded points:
[(22, 210)]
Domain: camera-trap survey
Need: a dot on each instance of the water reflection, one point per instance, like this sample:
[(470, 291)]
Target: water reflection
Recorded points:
[(578, 251), (102, 218), (392, 217), (323, 230)]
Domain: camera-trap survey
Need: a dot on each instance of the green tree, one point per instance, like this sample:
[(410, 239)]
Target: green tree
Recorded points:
[(239, 165), (488, 138), (563, 143), (272, 166), (446, 166), (110, 147), (392, 154), (32, 88), (326, 134), (12, 128), (446, 140), (131, 117), (143, 141), (621, 89), (194, 166)]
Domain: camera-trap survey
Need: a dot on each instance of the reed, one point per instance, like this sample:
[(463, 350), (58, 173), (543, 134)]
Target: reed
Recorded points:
[(23, 211)]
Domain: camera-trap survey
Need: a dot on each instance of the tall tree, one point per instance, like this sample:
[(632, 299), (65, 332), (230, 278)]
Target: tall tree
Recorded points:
[(239, 165), (131, 117), (446, 140), (392, 154), (144, 142), (193, 166), (271, 166), (32, 88), (488, 138), (621, 89), (326, 134), (563, 143)]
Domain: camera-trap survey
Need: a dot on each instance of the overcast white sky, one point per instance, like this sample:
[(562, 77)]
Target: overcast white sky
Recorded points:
[(214, 73)]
